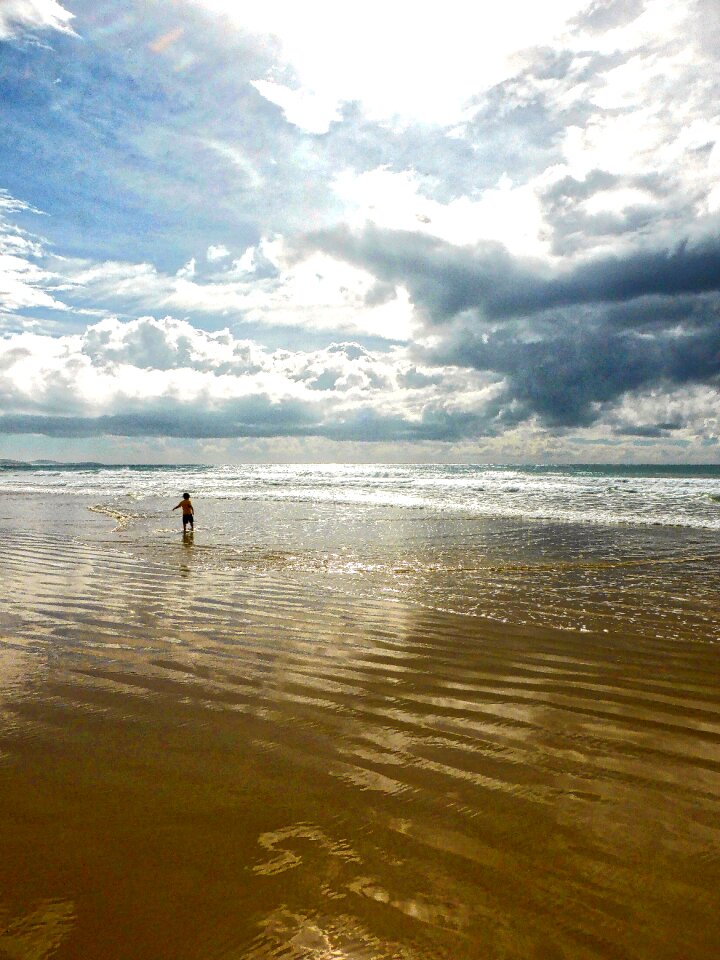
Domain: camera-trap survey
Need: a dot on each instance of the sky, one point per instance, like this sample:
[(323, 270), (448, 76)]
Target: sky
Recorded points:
[(388, 232)]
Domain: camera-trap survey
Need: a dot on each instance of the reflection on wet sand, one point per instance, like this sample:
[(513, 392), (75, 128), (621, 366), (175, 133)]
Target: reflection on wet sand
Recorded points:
[(246, 762)]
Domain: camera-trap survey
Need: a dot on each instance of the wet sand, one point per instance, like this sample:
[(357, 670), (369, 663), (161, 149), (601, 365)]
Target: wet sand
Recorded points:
[(278, 759)]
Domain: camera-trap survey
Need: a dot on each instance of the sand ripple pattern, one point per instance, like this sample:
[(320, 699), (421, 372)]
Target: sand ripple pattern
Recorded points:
[(247, 763)]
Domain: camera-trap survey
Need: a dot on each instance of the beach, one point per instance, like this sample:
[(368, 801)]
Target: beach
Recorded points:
[(360, 480), (335, 727)]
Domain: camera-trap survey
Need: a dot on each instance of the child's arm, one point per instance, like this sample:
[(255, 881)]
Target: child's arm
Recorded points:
[(179, 505)]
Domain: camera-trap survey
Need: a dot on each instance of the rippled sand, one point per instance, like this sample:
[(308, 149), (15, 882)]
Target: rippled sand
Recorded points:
[(286, 751)]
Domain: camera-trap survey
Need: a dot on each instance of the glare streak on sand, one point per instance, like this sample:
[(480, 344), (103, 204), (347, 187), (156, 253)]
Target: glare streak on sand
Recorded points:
[(257, 758)]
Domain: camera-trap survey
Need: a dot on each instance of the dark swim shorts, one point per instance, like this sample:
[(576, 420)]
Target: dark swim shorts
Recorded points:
[(187, 518)]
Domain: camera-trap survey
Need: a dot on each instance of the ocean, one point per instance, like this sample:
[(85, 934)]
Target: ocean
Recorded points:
[(682, 496)]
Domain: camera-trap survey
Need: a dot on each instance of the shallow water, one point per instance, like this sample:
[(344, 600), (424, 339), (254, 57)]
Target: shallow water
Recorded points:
[(304, 732)]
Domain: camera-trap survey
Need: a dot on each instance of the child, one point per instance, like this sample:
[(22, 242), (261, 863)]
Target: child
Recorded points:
[(188, 512)]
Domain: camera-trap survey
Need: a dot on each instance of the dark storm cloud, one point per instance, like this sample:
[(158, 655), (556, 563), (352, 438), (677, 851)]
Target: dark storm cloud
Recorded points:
[(443, 279), (685, 269), (566, 343), (566, 376), (686, 310), (380, 293), (446, 280)]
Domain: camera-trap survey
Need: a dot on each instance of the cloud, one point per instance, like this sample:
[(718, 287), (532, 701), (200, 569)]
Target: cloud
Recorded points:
[(657, 413), (604, 15), (504, 213), (20, 15), (565, 342), (24, 282), (516, 243), (303, 108), (390, 60), (445, 280), (215, 253), (163, 377), (568, 375), (153, 377), (264, 287)]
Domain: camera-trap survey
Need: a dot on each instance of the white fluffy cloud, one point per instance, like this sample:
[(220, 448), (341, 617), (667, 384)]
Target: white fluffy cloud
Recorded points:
[(690, 414), (217, 252), (33, 14), (309, 111), (149, 365)]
